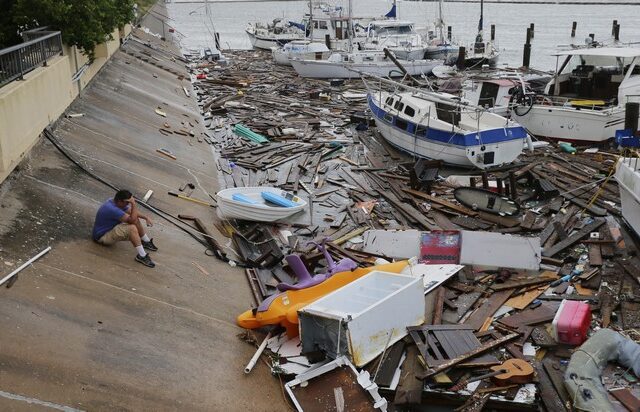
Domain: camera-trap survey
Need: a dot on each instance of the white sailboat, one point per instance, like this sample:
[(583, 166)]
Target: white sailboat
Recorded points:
[(482, 52), (398, 36), (442, 127), (440, 47), (585, 100), (299, 49), (347, 65)]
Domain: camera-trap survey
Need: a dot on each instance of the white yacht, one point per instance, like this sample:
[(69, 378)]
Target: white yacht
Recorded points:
[(442, 127), (299, 49), (396, 35), (585, 100), (265, 36), (348, 65), (628, 178)]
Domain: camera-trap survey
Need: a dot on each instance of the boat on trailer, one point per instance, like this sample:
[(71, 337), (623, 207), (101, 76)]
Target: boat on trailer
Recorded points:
[(442, 127), (585, 100)]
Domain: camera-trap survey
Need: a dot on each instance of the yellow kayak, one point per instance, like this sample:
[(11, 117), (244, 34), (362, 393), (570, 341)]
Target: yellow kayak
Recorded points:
[(283, 308)]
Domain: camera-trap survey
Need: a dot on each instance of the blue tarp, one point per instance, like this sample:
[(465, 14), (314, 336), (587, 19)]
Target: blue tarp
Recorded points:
[(298, 25)]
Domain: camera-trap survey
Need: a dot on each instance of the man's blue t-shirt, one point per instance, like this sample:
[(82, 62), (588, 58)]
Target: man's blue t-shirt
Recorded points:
[(107, 218)]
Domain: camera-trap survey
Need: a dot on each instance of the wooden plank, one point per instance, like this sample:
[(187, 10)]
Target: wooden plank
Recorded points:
[(625, 397), (389, 364), (438, 306), (442, 202), (523, 300), (571, 240), (556, 378), (595, 255), (488, 308), (453, 362), (548, 395), (409, 390)]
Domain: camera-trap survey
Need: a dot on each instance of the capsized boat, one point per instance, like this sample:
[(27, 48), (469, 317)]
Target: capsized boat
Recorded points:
[(585, 100), (443, 127), (347, 65), (282, 309), (260, 204), (299, 49)]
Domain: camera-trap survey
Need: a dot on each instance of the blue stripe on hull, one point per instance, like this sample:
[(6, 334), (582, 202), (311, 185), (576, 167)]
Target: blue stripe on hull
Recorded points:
[(457, 139)]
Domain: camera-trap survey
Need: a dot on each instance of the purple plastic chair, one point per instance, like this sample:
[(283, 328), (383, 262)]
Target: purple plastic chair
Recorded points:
[(305, 279)]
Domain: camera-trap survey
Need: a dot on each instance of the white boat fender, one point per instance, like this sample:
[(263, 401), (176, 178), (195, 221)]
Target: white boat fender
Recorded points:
[(583, 375), (529, 143)]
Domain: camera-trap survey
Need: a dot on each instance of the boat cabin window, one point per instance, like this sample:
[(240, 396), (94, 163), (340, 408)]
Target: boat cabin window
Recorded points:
[(388, 118), (383, 31), (488, 94), (421, 130), (399, 106), (323, 25), (389, 101), (448, 113), (401, 124), (409, 111)]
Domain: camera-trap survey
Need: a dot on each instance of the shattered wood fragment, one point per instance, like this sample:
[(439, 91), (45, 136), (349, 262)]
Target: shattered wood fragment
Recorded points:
[(573, 239), (409, 390)]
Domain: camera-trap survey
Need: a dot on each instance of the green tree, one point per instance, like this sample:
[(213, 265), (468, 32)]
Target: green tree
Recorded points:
[(83, 23)]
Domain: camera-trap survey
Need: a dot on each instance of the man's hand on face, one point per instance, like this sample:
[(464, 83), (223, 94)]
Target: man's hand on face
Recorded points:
[(131, 201)]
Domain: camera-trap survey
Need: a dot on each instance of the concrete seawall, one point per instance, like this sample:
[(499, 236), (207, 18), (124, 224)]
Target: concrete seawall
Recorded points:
[(86, 327), (27, 106)]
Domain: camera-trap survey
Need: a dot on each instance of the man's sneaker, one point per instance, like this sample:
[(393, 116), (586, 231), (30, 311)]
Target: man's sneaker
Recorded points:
[(149, 246), (146, 260)]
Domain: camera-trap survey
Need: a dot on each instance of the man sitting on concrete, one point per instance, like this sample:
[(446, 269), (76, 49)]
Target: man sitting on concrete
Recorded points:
[(118, 220)]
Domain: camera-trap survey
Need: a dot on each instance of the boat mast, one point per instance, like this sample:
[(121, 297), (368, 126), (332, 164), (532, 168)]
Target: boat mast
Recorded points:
[(350, 26), (440, 21), (310, 20)]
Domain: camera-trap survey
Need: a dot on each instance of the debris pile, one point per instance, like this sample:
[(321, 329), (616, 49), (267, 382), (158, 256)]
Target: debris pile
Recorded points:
[(518, 266)]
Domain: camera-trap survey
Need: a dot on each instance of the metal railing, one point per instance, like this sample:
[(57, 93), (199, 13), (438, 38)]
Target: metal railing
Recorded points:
[(16, 61)]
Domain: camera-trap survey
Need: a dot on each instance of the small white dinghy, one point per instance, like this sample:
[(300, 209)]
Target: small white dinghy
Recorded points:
[(260, 204)]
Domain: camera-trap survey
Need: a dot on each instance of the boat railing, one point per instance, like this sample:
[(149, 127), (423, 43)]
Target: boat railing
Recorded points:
[(563, 101), (632, 162)]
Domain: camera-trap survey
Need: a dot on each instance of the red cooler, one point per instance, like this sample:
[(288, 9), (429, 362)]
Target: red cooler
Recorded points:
[(572, 322)]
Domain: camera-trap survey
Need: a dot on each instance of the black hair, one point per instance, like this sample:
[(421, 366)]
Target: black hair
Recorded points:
[(122, 195)]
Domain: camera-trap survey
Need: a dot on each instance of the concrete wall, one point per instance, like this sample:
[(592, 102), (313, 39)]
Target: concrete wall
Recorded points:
[(28, 106)]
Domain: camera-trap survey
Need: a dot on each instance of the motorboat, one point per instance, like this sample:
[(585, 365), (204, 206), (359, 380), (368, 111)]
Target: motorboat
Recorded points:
[(398, 36), (348, 65), (444, 127), (628, 177), (260, 204), (275, 34), (495, 90), (585, 100), (299, 49)]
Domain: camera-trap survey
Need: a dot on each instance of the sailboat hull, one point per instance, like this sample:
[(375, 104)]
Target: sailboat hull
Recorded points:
[(494, 147), (324, 69)]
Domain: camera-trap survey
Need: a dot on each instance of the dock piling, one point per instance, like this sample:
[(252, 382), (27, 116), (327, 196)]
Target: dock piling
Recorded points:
[(449, 32), (532, 27), (493, 32), (462, 54), (574, 26)]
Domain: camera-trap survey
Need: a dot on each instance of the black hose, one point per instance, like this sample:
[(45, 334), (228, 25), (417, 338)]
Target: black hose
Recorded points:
[(159, 212)]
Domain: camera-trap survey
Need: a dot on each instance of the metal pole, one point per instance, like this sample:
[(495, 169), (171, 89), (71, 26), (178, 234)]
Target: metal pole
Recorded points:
[(44, 55)]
